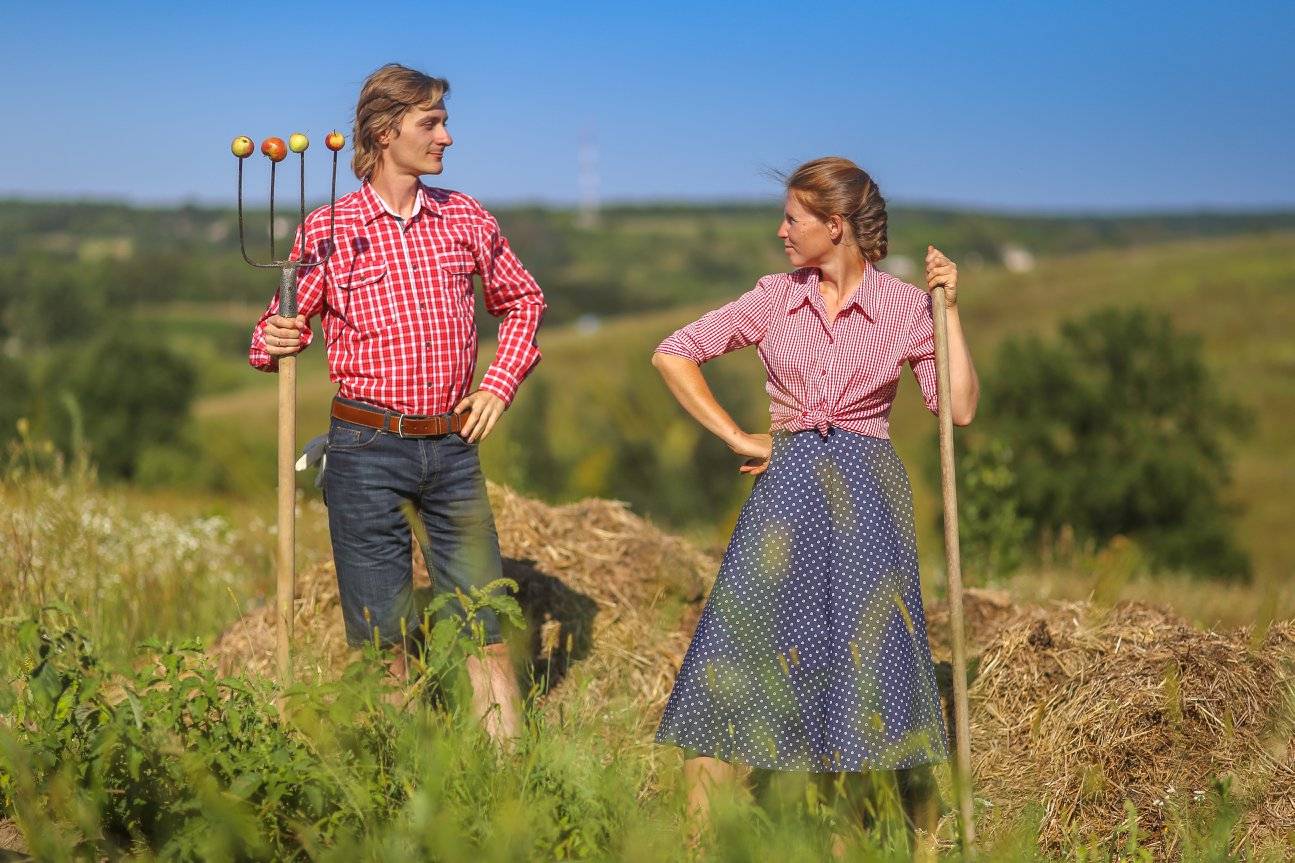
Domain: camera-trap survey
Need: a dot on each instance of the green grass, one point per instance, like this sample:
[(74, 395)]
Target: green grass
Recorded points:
[(112, 750)]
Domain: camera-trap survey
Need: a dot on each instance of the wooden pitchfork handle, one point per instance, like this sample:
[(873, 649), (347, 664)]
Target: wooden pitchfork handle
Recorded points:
[(286, 562), (953, 571)]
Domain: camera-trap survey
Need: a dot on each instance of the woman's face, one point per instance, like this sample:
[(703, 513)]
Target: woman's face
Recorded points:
[(805, 237)]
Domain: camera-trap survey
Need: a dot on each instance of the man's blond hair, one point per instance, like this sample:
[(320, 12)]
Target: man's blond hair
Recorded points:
[(385, 97)]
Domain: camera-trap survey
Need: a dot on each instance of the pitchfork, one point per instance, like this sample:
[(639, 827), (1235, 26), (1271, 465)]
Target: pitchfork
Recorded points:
[(286, 566)]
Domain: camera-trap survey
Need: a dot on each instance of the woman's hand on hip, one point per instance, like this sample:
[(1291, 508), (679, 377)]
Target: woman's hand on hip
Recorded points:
[(757, 448), (942, 271)]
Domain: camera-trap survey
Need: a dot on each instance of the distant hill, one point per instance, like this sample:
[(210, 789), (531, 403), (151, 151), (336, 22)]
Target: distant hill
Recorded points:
[(635, 258)]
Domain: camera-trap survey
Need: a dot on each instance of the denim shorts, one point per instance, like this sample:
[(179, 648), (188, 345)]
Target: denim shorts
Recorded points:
[(370, 475)]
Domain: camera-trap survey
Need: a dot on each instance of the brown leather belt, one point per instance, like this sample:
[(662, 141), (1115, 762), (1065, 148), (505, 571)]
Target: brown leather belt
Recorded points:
[(401, 425)]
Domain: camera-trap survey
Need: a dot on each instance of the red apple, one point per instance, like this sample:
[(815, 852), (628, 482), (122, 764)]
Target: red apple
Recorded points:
[(242, 147), (334, 140), (298, 142), (275, 149)]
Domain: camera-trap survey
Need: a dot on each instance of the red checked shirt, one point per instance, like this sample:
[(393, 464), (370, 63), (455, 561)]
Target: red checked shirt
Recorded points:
[(396, 301), (824, 373)]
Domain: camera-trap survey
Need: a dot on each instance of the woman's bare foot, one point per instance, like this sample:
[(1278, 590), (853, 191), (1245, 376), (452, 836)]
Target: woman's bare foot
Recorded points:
[(703, 775), (921, 798)]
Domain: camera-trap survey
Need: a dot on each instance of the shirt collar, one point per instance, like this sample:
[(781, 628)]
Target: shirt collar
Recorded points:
[(372, 205), (862, 297)]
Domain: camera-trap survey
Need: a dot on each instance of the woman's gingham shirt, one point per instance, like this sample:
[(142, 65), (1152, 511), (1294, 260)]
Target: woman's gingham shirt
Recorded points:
[(824, 373), (396, 301)]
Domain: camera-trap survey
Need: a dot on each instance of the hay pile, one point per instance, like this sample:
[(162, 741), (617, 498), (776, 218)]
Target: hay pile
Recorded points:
[(1073, 707), (598, 585)]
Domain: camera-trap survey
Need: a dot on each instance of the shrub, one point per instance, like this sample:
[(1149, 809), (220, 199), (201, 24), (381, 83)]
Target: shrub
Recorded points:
[(15, 397), (993, 533), (1115, 428), (123, 394)]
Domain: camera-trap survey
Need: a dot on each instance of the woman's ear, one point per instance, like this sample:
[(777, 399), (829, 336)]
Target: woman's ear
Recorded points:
[(835, 227)]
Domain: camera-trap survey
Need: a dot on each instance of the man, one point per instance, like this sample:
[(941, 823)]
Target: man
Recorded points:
[(395, 300)]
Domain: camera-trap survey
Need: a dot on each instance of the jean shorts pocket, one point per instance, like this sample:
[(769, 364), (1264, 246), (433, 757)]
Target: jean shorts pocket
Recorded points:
[(347, 437)]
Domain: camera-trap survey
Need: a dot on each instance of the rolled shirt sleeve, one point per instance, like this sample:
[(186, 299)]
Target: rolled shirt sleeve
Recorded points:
[(310, 300), (511, 293), (733, 325), (921, 354)]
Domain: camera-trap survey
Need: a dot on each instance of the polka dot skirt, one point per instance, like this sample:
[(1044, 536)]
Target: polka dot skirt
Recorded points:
[(811, 652)]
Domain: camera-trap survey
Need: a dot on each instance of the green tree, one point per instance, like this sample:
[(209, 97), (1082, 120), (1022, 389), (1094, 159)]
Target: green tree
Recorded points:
[(1115, 428), (46, 300), (124, 395)]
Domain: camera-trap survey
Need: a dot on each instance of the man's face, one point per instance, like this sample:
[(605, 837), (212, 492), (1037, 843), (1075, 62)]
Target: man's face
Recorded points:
[(420, 147)]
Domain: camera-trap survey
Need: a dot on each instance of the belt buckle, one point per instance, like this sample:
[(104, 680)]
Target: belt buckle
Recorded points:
[(400, 426)]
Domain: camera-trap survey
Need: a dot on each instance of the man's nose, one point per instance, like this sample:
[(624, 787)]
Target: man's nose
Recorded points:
[(446, 139)]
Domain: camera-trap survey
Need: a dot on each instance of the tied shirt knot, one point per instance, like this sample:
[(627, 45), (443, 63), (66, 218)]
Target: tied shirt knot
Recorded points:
[(818, 419)]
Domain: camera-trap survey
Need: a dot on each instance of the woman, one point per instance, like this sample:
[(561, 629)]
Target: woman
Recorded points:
[(811, 653)]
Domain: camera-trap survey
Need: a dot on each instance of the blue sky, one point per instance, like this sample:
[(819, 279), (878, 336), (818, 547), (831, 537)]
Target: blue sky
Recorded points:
[(1025, 106)]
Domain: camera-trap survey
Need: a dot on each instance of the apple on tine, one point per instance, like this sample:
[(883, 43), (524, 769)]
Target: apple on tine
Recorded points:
[(274, 149), (242, 147), (298, 142), (334, 140)]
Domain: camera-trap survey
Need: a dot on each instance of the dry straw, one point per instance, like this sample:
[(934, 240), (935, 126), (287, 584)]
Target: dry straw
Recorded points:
[(1075, 707)]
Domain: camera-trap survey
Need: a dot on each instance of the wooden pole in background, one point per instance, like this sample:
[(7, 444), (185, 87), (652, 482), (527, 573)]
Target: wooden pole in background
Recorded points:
[(953, 571)]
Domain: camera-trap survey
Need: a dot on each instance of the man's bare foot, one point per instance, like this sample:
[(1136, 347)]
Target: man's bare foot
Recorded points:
[(397, 692), (925, 847), (496, 700)]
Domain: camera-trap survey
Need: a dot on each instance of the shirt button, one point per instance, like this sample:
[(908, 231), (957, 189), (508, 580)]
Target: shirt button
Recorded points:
[(823, 372), (427, 344), (429, 385)]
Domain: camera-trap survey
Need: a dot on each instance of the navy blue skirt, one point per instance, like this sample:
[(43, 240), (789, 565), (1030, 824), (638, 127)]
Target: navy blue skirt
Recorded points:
[(811, 652)]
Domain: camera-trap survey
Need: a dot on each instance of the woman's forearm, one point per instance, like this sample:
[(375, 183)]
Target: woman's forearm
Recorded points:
[(964, 385), (685, 381)]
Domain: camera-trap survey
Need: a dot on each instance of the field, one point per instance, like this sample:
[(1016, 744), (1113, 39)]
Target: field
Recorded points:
[(1101, 730), (1118, 713), (554, 445)]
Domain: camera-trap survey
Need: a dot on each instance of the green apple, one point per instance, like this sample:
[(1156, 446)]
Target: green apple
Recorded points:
[(242, 147), (298, 142)]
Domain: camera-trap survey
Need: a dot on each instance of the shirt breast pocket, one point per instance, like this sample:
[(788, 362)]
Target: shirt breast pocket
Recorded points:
[(366, 298), (456, 269)]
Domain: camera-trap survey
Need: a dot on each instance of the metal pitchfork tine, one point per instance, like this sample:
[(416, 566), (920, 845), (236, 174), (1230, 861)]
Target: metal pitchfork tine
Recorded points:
[(286, 565)]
